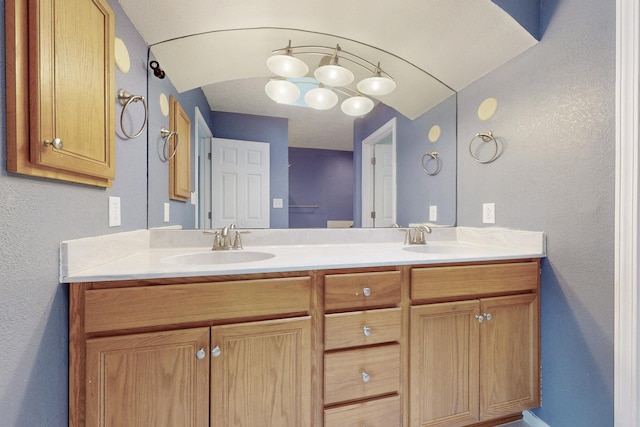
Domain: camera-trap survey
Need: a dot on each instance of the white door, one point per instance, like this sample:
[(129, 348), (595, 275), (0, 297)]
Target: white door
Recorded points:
[(240, 183), (383, 187)]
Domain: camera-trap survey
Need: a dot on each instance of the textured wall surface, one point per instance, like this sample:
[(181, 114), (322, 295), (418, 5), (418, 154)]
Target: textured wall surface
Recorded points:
[(35, 215), (555, 118)]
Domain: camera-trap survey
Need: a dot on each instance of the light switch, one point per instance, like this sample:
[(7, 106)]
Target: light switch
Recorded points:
[(278, 203), (433, 213), (489, 213), (115, 219), (167, 212)]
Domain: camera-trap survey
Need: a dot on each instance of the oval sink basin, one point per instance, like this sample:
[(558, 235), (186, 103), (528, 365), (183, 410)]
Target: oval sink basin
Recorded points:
[(437, 249), (217, 257)]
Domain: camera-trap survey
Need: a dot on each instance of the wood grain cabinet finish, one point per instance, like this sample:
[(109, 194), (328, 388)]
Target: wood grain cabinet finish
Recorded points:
[(60, 90), (475, 360), (441, 346), (362, 290)]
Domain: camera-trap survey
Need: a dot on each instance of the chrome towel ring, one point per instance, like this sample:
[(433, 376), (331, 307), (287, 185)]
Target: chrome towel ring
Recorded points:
[(430, 157), (126, 99), (485, 137), (166, 135)]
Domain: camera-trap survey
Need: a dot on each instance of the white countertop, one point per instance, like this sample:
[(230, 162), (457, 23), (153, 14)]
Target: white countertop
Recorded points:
[(147, 254)]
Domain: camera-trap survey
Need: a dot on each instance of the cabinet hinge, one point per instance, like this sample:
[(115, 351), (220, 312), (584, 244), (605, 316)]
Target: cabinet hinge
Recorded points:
[(373, 214), (373, 160)]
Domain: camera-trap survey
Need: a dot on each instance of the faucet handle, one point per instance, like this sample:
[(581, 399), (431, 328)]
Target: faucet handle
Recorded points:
[(237, 240)]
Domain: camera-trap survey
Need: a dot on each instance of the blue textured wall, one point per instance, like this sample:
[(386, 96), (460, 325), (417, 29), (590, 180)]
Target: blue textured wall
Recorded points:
[(556, 117), (35, 216), (273, 130), (323, 178)]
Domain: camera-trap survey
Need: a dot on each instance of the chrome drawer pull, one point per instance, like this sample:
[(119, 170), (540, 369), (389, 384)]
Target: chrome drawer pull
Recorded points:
[(365, 377), (201, 354), (366, 292), (366, 331)]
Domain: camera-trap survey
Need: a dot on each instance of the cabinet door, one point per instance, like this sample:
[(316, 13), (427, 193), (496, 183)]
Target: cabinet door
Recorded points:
[(444, 364), (72, 96), (261, 374), (154, 379), (180, 163), (509, 355)]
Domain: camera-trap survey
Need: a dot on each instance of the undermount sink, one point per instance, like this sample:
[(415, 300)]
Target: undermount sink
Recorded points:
[(435, 249), (217, 257)]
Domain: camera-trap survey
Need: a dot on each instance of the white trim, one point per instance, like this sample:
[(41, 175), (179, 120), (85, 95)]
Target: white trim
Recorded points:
[(367, 174), (533, 421), (626, 350), (201, 131)]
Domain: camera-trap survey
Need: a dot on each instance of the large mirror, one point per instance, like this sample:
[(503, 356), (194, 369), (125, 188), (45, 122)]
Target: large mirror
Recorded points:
[(215, 65)]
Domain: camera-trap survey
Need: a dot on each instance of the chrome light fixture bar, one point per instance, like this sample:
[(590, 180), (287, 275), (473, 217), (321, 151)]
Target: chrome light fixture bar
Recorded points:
[(330, 76)]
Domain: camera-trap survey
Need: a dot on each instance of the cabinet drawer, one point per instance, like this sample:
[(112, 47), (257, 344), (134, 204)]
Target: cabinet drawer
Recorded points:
[(152, 306), (451, 282), (362, 290), (374, 413), (360, 328), (361, 373)]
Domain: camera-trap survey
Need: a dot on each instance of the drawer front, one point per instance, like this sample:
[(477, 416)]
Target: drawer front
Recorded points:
[(448, 282), (362, 290), (361, 373), (151, 306), (374, 413), (354, 329)]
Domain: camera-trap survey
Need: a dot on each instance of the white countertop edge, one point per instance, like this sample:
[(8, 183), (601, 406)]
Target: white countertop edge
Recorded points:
[(138, 254)]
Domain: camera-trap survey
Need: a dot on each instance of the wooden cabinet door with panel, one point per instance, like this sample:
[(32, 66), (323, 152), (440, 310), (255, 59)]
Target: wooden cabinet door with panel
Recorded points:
[(158, 379), (509, 355), (180, 149), (60, 90), (444, 364), (261, 374)]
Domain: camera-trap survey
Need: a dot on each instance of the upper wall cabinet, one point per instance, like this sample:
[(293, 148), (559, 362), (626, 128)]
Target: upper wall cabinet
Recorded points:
[(60, 90), (180, 162)]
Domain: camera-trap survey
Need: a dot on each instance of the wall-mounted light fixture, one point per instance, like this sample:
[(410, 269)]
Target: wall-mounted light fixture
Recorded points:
[(330, 77)]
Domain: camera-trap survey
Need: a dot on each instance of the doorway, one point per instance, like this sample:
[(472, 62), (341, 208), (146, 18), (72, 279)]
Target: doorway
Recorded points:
[(379, 177)]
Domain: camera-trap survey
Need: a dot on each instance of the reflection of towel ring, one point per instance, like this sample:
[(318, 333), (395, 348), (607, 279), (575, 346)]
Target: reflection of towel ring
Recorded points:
[(486, 137), (125, 99), (166, 135), (433, 155)]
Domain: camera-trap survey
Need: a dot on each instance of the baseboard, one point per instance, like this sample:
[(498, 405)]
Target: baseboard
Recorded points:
[(532, 420)]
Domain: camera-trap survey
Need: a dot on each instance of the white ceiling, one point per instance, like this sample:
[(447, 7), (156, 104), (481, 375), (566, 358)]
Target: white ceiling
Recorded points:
[(222, 46)]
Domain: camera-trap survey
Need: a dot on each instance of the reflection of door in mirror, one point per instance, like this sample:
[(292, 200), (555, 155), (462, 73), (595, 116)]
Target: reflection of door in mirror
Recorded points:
[(379, 177), (240, 177)]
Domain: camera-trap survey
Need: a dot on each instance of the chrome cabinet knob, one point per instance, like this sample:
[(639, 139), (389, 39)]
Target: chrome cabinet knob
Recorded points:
[(366, 292), (216, 351), (56, 143), (365, 377), (488, 316), (480, 318), (366, 331), (201, 354)]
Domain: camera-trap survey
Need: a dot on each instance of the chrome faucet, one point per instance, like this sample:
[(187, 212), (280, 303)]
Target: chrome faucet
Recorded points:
[(416, 235), (222, 238)]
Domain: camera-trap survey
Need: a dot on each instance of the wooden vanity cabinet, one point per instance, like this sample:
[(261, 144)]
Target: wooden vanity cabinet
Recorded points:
[(475, 351), (60, 90), (362, 358), (228, 353)]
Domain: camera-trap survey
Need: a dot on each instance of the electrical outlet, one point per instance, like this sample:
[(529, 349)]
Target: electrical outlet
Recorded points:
[(433, 213), (167, 212), (278, 203), (489, 213), (115, 219)]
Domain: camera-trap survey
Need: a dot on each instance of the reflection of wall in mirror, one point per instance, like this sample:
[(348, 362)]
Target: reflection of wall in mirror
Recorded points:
[(323, 178), (416, 191)]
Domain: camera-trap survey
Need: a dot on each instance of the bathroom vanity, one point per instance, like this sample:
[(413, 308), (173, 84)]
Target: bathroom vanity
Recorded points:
[(421, 339)]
